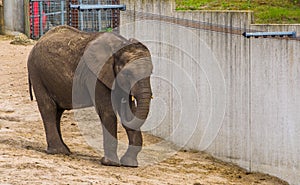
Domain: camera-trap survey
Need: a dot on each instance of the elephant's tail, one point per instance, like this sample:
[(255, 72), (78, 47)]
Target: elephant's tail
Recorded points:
[(30, 89)]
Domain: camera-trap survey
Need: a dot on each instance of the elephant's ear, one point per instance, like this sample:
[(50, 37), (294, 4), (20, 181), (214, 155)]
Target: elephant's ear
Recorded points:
[(107, 74), (98, 56)]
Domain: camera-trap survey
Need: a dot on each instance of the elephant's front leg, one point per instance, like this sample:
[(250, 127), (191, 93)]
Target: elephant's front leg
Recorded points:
[(110, 142), (135, 146), (109, 125), (135, 139)]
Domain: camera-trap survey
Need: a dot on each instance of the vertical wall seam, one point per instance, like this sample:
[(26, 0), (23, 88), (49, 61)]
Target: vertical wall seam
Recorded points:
[(250, 106)]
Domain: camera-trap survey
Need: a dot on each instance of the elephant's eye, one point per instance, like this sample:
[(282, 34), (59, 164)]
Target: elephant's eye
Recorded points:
[(127, 73)]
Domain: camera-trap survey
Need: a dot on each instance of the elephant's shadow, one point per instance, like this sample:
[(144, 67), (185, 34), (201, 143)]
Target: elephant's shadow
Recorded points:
[(39, 148), (23, 144)]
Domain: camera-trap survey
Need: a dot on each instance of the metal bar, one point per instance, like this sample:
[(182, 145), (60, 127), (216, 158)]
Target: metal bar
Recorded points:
[(62, 6), (41, 18), (106, 19), (93, 20), (81, 16), (97, 7), (31, 9), (269, 34), (99, 18), (47, 14)]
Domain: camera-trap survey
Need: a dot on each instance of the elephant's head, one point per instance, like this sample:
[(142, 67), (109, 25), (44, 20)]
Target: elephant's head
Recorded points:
[(127, 73), (133, 67)]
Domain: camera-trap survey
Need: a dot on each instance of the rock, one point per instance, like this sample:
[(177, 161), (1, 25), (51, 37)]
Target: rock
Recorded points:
[(22, 39)]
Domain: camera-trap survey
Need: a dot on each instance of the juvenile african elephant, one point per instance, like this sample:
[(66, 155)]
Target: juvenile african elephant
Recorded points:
[(70, 69)]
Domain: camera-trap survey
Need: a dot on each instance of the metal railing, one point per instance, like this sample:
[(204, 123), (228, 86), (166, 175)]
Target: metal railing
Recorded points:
[(86, 15), (291, 34), (95, 15)]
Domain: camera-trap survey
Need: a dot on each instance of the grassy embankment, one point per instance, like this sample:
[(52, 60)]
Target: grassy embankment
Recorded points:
[(265, 11)]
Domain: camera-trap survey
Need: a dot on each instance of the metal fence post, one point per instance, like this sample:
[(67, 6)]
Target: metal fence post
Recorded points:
[(99, 18), (41, 18), (62, 5), (81, 16)]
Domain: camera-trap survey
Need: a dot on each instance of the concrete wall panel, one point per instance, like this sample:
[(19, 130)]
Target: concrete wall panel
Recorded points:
[(14, 15), (233, 97)]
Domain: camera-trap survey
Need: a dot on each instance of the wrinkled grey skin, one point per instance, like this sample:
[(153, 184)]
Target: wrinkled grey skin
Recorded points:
[(70, 69)]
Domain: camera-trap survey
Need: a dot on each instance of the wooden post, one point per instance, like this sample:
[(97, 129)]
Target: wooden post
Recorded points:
[(2, 24), (27, 18), (68, 12), (116, 16), (72, 14)]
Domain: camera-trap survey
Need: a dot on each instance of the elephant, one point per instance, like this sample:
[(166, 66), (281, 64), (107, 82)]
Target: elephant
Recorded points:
[(71, 69)]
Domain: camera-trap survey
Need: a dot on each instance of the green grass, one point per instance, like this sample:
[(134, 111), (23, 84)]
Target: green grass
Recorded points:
[(265, 11)]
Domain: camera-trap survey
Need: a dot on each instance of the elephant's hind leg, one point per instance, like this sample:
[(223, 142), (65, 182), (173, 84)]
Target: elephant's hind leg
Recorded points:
[(65, 149), (51, 116)]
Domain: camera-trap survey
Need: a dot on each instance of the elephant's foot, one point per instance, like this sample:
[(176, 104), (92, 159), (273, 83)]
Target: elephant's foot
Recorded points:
[(129, 161), (110, 162), (59, 150)]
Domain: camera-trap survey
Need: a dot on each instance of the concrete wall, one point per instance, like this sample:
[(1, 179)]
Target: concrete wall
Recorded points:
[(14, 15), (275, 103), (217, 91)]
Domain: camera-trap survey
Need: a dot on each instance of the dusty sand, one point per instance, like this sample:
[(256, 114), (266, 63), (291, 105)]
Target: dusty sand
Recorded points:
[(22, 146)]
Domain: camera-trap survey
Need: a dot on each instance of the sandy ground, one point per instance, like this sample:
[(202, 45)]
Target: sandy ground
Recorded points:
[(22, 145)]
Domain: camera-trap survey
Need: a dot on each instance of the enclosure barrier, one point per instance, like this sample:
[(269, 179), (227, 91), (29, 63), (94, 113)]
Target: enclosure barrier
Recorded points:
[(98, 14), (86, 15)]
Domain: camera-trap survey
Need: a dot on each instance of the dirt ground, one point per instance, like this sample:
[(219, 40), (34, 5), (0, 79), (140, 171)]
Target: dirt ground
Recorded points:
[(22, 146)]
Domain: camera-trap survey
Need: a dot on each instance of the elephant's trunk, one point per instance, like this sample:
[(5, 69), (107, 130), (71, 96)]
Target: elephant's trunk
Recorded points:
[(135, 116), (142, 109)]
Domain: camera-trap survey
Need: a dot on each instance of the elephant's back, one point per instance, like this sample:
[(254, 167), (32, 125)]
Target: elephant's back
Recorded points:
[(62, 45), (58, 52), (67, 36)]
